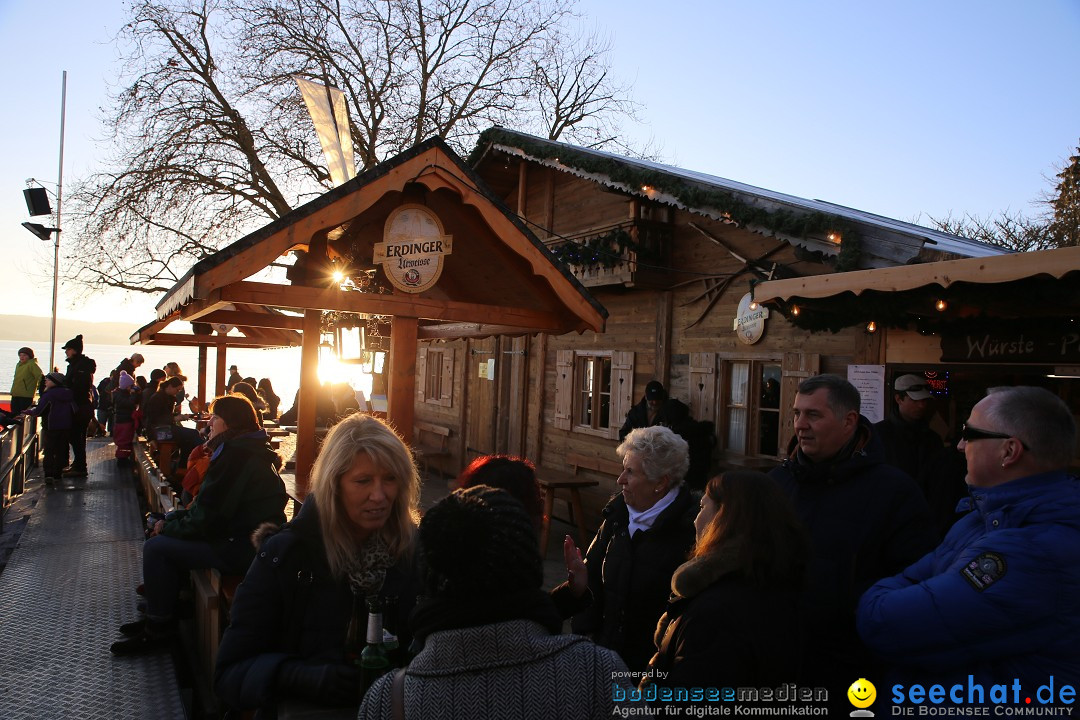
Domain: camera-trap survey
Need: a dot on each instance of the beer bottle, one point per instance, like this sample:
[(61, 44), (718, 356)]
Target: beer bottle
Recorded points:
[(374, 660), (355, 634)]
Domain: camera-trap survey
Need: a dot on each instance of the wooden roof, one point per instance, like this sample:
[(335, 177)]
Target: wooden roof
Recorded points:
[(259, 327), (499, 279)]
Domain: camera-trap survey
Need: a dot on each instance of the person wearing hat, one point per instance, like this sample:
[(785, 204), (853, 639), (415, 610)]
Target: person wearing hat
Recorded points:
[(655, 408), (80, 379), (913, 447), (234, 377), (27, 379), (57, 402), (492, 646), (124, 402)]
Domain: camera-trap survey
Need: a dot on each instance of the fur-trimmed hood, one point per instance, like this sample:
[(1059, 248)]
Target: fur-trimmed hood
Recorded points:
[(697, 574)]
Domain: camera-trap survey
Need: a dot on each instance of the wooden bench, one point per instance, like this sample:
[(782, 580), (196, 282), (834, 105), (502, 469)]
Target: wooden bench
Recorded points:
[(430, 442), (159, 494), (551, 481)]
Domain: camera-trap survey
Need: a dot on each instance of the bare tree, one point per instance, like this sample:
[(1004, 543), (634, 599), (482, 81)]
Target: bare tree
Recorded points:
[(210, 139), (1008, 230)]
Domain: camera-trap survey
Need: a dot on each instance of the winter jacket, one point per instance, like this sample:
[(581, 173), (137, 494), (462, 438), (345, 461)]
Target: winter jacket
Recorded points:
[(867, 520), (722, 630), (59, 405), (513, 669), (999, 598), (241, 490), (124, 403), (629, 578), (291, 607), (673, 414), (27, 377), (80, 378)]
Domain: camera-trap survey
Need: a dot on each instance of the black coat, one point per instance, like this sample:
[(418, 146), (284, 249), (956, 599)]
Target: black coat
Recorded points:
[(673, 414), (80, 378), (630, 577), (290, 606), (867, 520), (722, 630)]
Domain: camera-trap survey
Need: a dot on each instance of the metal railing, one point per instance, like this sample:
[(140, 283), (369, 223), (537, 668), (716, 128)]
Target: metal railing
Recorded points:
[(18, 455)]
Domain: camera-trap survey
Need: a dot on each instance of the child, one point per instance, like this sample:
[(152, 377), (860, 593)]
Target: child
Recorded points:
[(124, 402), (60, 403)]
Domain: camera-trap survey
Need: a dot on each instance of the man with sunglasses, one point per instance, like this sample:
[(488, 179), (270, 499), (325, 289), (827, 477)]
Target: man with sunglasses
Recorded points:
[(999, 599), (913, 447)]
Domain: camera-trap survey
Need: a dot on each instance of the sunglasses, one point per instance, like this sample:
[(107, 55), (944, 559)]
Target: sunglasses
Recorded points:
[(969, 433)]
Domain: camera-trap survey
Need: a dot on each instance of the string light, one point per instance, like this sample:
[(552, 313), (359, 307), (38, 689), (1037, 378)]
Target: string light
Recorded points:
[(941, 305), (794, 309), (871, 327)]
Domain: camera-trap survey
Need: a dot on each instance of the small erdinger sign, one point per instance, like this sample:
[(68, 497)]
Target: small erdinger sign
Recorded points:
[(412, 249)]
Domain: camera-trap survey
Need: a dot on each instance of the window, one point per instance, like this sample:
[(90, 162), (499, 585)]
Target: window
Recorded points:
[(593, 402), (752, 407), (435, 375), (593, 390)]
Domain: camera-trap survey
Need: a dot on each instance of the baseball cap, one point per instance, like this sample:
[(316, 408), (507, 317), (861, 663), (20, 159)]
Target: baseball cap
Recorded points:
[(915, 386), (655, 391)]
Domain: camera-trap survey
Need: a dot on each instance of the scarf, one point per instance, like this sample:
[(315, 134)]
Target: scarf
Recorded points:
[(445, 613), (697, 574), (644, 519), (367, 568)]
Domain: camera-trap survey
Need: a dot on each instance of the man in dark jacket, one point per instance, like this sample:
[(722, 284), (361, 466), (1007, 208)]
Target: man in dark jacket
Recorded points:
[(867, 520), (913, 447), (80, 380), (999, 600), (655, 408)]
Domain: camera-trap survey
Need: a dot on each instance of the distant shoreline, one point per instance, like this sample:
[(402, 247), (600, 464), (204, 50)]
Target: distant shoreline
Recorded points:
[(33, 329)]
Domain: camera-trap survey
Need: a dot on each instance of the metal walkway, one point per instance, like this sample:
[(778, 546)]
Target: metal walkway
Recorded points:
[(66, 589)]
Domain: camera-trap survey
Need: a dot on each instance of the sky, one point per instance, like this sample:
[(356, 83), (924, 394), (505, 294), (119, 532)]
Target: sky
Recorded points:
[(909, 110)]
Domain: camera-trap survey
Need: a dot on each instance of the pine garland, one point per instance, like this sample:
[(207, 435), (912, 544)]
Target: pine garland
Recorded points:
[(747, 215), (606, 250)]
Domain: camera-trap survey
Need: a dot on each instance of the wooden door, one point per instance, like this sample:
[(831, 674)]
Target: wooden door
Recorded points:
[(513, 394), (481, 365)]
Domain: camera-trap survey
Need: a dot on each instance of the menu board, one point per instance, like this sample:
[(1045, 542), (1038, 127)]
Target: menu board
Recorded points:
[(869, 380)]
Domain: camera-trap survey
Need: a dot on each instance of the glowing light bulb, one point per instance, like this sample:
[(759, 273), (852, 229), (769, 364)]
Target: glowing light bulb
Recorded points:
[(871, 327), (794, 309), (941, 305)]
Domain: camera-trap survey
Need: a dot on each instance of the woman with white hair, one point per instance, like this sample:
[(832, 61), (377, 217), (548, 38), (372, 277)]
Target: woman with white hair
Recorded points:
[(646, 533), (352, 539)]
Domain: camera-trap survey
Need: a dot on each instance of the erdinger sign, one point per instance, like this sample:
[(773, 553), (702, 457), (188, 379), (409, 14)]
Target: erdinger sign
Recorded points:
[(413, 247), (750, 320)]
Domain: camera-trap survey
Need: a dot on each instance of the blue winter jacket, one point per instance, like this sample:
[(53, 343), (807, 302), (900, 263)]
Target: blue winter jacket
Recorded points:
[(998, 599)]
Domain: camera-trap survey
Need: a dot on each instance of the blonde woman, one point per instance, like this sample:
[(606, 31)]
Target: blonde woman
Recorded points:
[(353, 539)]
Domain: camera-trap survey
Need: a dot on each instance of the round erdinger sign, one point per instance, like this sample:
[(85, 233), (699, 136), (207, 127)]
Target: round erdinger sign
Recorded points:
[(412, 249), (750, 320)]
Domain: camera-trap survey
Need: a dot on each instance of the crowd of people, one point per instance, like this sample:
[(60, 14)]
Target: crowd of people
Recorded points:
[(840, 563)]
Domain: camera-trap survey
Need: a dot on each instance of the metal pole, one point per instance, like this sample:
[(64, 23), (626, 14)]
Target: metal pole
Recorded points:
[(56, 233)]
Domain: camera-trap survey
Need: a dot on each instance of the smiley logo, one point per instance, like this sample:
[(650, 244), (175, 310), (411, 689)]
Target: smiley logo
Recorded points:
[(862, 693)]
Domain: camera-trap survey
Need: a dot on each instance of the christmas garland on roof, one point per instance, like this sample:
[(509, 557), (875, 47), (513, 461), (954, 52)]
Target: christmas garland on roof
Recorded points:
[(606, 250), (690, 195)]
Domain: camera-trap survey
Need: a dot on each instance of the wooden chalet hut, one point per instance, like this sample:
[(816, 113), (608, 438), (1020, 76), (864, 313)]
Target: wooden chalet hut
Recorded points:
[(417, 245), (672, 255)]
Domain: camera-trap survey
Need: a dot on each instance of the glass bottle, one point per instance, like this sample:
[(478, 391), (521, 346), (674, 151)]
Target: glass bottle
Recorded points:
[(374, 660), (355, 634)]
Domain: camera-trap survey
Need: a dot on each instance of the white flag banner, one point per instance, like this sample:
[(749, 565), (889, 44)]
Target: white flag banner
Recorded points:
[(331, 119)]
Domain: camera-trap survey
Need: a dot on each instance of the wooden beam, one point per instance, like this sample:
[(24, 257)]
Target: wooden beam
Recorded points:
[(308, 403), (254, 319), (453, 331), (415, 306), (402, 385), (196, 340), (662, 348)]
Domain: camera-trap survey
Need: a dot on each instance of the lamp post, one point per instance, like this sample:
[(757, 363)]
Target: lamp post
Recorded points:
[(37, 203)]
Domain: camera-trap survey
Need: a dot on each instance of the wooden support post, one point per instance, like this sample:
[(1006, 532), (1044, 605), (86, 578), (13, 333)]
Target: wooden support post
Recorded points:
[(219, 370), (202, 376), (534, 446), (662, 362), (308, 402), (402, 385)]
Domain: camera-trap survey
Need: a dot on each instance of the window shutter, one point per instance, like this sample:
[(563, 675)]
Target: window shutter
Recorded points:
[(564, 388), (421, 374), (446, 387), (796, 367), (622, 390), (703, 386)]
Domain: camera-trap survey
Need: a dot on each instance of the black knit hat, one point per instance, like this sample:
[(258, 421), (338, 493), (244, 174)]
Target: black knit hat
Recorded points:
[(27, 350), (74, 343), (480, 541)]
